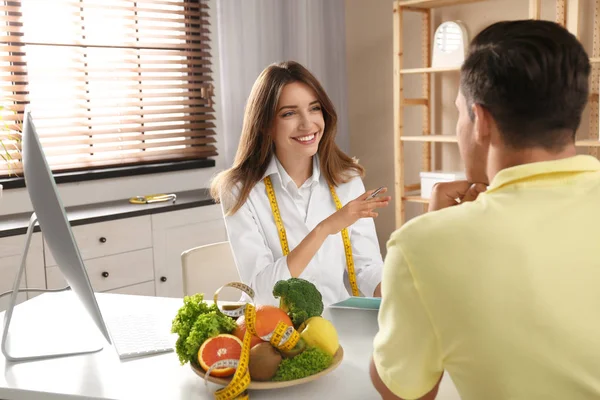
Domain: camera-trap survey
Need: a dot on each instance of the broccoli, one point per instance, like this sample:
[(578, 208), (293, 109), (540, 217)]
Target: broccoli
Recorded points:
[(299, 298), (310, 362)]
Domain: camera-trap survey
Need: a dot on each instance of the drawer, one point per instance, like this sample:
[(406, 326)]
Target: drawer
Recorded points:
[(110, 237), (111, 272), (141, 289), (14, 245)]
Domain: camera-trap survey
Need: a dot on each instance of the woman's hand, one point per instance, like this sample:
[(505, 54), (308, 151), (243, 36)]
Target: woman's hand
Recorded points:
[(353, 211)]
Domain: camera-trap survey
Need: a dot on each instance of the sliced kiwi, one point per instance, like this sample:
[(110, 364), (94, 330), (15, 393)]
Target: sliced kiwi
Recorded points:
[(298, 348)]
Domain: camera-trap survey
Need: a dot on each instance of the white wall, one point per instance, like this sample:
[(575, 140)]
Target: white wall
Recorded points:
[(369, 53), (17, 200)]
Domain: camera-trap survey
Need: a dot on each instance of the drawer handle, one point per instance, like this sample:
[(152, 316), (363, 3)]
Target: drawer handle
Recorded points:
[(105, 274), (163, 278), (102, 239)]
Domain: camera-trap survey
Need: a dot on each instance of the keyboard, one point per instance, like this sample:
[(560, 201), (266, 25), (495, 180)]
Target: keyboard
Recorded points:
[(135, 335)]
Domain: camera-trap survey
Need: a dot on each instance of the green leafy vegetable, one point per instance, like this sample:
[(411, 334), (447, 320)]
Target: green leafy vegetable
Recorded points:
[(299, 298), (309, 362), (195, 322)]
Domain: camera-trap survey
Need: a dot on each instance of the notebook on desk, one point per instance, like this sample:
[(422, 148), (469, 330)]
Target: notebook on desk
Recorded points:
[(359, 303)]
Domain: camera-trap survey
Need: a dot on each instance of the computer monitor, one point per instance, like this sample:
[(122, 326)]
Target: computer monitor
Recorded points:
[(52, 218)]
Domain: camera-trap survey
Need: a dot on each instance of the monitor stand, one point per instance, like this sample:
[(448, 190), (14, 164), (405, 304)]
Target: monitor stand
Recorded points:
[(45, 327)]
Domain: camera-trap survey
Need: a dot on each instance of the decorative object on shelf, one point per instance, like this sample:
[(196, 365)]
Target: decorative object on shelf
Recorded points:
[(449, 45), (428, 179)]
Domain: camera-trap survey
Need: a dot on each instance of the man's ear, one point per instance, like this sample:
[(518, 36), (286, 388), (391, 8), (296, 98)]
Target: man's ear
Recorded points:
[(483, 124)]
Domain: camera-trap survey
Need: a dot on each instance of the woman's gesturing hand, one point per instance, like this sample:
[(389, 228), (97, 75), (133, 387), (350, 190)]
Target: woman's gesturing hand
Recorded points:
[(361, 207)]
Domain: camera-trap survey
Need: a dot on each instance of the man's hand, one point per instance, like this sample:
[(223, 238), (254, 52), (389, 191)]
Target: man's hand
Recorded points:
[(377, 292), (448, 194)]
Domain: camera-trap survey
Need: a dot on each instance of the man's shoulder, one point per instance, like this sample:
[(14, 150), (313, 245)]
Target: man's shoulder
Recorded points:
[(438, 227)]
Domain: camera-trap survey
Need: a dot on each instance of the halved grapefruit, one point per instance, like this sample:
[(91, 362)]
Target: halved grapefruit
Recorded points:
[(217, 348)]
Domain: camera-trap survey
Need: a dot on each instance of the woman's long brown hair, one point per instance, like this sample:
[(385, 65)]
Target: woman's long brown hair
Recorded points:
[(256, 144)]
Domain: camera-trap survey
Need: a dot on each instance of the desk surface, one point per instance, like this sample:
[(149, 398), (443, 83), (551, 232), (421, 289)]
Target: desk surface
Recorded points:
[(104, 376)]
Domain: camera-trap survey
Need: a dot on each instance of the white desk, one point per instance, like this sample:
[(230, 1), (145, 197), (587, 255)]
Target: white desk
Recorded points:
[(104, 376)]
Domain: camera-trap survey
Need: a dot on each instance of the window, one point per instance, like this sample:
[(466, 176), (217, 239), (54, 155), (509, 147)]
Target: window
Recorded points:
[(109, 82)]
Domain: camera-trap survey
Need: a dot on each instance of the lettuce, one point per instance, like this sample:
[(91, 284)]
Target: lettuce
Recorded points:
[(195, 322)]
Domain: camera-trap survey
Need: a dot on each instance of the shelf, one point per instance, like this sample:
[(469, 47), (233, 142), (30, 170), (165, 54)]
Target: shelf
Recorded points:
[(454, 139), (416, 199), (431, 70), (428, 70), (430, 138), (587, 143), (434, 3)]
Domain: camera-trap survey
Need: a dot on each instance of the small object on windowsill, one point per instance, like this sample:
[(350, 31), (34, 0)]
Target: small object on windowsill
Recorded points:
[(153, 198)]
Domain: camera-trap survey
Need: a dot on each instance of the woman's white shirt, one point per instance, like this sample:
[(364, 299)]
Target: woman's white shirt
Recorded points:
[(257, 249)]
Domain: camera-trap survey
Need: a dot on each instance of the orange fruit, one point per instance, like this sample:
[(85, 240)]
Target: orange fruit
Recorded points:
[(217, 348), (240, 331), (267, 318)]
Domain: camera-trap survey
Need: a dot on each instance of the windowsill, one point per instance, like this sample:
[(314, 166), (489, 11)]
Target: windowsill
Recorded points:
[(16, 224), (119, 172)]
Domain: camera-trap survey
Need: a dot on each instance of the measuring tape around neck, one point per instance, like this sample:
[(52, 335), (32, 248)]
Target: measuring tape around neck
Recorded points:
[(284, 337), (283, 236)]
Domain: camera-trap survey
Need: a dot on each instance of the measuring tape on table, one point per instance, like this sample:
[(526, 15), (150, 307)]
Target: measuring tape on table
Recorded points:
[(283, 236), (284, 337)]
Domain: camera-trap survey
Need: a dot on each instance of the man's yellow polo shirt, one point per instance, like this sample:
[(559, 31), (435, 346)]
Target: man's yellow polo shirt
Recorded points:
[(503, 292)]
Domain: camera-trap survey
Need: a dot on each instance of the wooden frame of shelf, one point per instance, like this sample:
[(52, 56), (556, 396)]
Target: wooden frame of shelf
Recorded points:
[(434, 3), (428, 70), (567, 14), (416, 199), (454, 139)]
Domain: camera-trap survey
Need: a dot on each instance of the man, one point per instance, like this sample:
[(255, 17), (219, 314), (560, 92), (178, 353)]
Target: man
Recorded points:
[(501, 287)]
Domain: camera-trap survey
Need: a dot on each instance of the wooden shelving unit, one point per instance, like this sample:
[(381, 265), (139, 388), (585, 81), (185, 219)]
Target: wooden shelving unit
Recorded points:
[(453, 139), (427, 4), (567, 12), (427, 70)]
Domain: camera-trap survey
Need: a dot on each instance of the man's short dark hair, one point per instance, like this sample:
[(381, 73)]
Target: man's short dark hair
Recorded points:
[(533, 77)]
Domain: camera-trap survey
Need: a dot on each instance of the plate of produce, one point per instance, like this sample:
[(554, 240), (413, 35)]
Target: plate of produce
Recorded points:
[(258, 346), (283, 372)]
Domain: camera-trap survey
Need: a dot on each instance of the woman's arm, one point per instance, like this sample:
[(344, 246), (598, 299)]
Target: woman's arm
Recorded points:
[(360, 210), (368, 263), (254, 259), (299, 258)]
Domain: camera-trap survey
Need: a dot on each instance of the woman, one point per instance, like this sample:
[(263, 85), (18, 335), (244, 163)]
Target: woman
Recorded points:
[(279, 198)]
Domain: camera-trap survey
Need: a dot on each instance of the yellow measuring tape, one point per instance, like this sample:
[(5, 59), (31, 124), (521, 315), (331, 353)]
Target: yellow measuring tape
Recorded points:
[(283, 237), (153, 198), (284, 337)]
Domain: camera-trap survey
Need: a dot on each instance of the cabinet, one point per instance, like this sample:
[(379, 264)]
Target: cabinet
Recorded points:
[(11, 249), (138, 255), (110, 237), (111, 272), (173, 233)]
